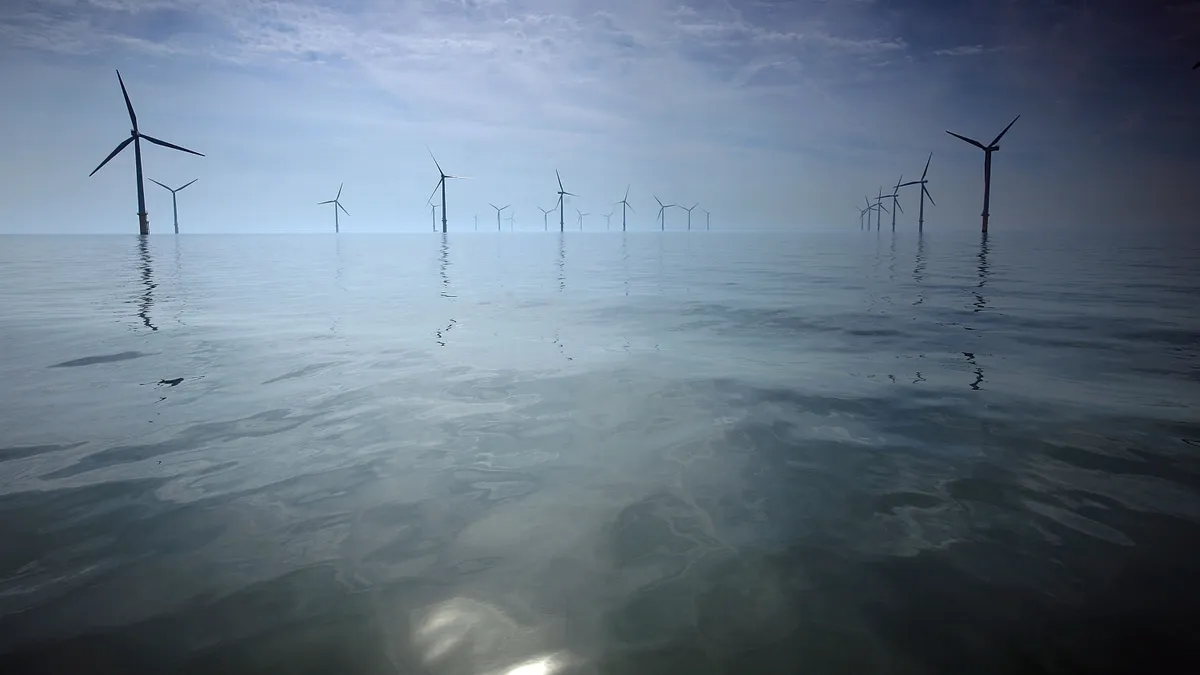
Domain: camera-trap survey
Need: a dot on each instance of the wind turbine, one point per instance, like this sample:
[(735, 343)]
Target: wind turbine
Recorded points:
[(581, 215), (498, 210), (561, 193), (896, 201), (690, 214), (545, 222), (441, 184), (511, 219), (607, 220), (336, 205), (924, 193), (432, 213), (987, 164), (174, 204), (476, 222), (136, 137), (662, 211), (624, 205), (880, 208), (707, 220)]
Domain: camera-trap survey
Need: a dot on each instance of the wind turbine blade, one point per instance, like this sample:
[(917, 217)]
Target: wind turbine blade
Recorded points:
[(161, 185), (435, 162), (885, 209), (435, 189), (112, 154), (493, 206), (339, 205), (128, 105), (556, 174), (505, 206), (626, 197), (926, 166), (972, 141), (928, 195), (169, 145), (658, 200), (460, 177), (188, 183), (571, 194), (898, 183), (325, 202), (339, 194), (629, 207), (899, 207), (1006, 129)]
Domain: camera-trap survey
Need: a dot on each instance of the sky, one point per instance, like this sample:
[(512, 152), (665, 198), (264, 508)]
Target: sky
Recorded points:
[(771, 114)]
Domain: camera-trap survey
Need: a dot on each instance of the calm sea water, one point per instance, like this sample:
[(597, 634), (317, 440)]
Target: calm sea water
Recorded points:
[(532, 454)]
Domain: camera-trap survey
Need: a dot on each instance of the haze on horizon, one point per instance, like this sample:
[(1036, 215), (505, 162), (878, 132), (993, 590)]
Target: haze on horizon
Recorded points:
[(772, 114)]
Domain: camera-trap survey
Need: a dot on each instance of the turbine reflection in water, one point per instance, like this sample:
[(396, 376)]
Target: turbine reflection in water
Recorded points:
[(562, 262), (919, 269), (146, 300), (980, 303)]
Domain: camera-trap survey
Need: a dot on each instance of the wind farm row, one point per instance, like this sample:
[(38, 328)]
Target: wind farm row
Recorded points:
[(877, 207)]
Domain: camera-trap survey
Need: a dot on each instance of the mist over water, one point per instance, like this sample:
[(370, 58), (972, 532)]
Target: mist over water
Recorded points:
[(528, 454)]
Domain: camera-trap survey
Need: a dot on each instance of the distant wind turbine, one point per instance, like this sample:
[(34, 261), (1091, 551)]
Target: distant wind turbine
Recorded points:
[(336, 205), (662, 211), (581, 215), (561, 193), (896, 201), (880, 208), (624, 205), (707, 220), (476, 222), (512, 218), (136, 137), (690, 214), (174, 204), (498, 210), (987, 164), (545, 222), (442, 176), (607, 220), (432, 213), (924, 193)]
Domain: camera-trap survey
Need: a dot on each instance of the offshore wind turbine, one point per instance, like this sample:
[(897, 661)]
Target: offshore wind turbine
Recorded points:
[(581, 215), (136, 137), (174, 204), (545, 214), (662, 212), (880, 208), (432, 213), (561, 193), (607, 220), (896, 201), (690, 214), (987, 164), (624, 205), (511, 219), (442, 176), (336, 205), (707, 220), (924, 193), (498, 210)]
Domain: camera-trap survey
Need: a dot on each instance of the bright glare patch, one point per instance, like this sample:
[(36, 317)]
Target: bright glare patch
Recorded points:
[(544, 665)]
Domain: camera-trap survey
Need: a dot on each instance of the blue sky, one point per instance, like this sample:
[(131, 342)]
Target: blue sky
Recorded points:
[(770, 113)]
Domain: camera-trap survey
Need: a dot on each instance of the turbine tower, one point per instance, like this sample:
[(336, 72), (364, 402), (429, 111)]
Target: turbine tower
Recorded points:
[(442, 176), (545, 214), (561, 193), (987, 164), (624, 205), (136, 137), (924, 193), (498, 210), (707, 220), (607, 220), (336, 205), (174, 203), (690, 214), (662, 211)]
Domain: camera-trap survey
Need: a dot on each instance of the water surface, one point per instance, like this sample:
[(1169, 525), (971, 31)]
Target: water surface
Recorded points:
[(849, 452)]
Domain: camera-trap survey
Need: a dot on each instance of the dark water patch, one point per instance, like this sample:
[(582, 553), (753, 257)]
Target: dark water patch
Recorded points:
[(105, 358), (301, 372), (197, 436), (21, 452), (894, 501)]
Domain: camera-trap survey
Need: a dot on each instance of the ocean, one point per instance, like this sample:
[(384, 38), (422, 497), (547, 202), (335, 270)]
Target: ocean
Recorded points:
[(533, 453)]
